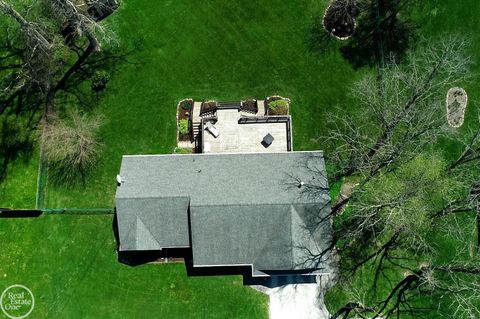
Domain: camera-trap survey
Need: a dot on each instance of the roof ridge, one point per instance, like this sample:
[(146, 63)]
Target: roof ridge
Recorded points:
[(250, 204), (145, 231)]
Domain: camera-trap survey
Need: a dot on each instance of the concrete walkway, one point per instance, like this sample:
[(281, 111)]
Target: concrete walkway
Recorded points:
[(296, 301), (293, 300), (299, 301), (261, 108)]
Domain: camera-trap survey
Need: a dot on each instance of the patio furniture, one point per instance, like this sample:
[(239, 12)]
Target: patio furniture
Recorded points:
[(212, 129), (267, 140)]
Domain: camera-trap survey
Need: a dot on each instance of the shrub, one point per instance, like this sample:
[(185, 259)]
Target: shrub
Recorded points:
[(100, 80), (183, 126), (70, 145), (187, 105), (250, 105), (278, 107)]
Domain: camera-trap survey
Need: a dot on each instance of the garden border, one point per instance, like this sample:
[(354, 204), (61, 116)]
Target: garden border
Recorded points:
[(453, 89)]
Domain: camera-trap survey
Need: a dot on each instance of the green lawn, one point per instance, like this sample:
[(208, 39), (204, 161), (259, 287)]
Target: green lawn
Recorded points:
[(436, 18), (19, 187), (69, 263)]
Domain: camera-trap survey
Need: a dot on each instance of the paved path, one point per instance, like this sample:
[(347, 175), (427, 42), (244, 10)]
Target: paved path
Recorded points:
[(299, 301), (261, 108)]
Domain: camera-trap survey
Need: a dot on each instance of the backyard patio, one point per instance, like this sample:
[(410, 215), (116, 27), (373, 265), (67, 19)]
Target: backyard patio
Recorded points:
[(249, 126), (235, 136)]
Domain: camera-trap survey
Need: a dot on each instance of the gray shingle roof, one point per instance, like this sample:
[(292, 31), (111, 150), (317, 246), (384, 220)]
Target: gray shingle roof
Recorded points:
[(244, 208), (152, 223)]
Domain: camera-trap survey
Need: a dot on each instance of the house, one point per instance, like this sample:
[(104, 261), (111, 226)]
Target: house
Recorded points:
[(264, 211)]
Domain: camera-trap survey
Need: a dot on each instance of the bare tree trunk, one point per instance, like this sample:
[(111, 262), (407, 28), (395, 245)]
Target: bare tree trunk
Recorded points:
[(32, 32), (470, 153), (92, 47), (49, 103), (478, 228)]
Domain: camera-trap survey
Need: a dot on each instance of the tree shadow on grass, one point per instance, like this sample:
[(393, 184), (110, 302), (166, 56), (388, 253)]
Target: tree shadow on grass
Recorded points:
[(319, 40), (381, 32), (371, 45), (16, 142), (90, 84)]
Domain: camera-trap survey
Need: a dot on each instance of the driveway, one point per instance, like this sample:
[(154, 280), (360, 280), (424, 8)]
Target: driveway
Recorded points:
[(298, 300)]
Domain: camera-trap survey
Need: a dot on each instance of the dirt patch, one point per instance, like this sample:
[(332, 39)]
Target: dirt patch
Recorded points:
[(250, 106), (456, 105), (183, 137), (347, 189)]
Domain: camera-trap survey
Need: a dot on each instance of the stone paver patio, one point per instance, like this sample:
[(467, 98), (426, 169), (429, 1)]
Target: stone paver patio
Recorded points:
[(243, 138)]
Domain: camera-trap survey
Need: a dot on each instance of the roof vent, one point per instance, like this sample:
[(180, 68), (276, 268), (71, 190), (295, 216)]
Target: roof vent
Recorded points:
[(120, 180), (301, 184)]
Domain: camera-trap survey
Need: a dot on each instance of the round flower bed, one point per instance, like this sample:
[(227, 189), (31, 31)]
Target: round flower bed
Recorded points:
[(456, 104), (339, 18)]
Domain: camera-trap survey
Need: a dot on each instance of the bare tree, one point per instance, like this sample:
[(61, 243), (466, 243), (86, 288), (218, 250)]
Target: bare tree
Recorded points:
[(400, 114), (71, 144), (49, 50), (35, 72), (406, 194), (47, 57), (471, 150), (453, 286)]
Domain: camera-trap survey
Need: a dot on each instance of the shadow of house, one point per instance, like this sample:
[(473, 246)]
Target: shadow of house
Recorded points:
[(136, 258), (224, 214)]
